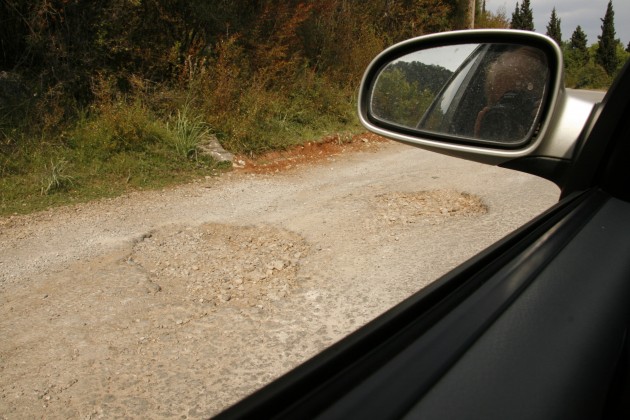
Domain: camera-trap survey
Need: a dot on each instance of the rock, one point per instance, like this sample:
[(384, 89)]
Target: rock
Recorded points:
[(276, 265), (256, 276), (211, 147), (152, 287)]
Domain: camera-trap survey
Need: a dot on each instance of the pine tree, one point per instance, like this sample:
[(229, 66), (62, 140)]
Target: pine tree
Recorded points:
[(527, 16), (553, 27), (517, 21), (606, 55), (523, 17), (628, 48), (578, 46)]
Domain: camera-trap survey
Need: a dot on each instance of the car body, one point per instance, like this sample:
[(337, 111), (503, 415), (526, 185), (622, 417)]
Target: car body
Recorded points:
[(534, 327)]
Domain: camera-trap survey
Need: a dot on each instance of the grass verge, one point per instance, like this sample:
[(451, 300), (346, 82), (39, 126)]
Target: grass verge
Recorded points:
[(122, 150), (127, 146)]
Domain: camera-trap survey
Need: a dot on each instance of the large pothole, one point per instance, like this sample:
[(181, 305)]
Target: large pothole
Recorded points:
[(222, 264)]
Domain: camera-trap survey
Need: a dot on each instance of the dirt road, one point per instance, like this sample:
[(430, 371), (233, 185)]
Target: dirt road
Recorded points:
[(180, 302)]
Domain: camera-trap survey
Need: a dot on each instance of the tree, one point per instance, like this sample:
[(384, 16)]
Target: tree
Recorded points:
[(523, 17), (517, 20), (488, 19), (527, 16), (578, 46), (472, 5), (480, 11), (553, 27), (606, 55), (580, 71), (476, 11)]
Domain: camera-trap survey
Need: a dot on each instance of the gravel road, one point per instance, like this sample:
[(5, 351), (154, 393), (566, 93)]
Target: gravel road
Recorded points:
[(178, 303)]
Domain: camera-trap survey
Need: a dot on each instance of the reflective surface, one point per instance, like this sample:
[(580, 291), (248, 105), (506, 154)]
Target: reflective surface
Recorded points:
[(483, 93)]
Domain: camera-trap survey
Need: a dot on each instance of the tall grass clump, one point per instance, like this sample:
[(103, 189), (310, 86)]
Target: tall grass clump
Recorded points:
[(187, 132), (57, 178)]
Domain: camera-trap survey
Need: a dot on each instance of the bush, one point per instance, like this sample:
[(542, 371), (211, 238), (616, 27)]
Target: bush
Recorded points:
[(590, 76), (115, 128)]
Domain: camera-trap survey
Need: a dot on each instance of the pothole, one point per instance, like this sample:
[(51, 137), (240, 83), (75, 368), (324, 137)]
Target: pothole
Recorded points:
[(222, 264), (432, 206)]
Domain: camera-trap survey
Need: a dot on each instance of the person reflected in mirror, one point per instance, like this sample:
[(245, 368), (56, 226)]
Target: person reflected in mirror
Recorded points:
[(514, 87)]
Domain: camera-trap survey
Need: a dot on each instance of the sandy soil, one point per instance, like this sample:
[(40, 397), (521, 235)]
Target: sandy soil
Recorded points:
[(178, 303)]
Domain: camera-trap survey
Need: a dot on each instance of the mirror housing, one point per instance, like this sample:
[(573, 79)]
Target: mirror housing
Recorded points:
[(438, 91)]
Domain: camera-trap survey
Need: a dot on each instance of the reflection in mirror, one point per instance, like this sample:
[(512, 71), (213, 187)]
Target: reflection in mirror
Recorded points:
[(484, 93)]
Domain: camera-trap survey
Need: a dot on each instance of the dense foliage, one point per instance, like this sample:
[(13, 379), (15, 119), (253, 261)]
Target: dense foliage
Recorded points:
[(69, 57), (586, 67), (595, 66)]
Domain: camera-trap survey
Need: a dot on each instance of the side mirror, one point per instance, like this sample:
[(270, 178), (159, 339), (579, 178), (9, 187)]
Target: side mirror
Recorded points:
[(492, 96), (480, 94)]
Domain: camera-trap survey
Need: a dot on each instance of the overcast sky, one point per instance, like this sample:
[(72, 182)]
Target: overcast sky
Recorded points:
[(586, 13)]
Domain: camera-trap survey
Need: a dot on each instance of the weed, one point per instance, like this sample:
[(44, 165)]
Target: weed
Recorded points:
[(57, 178)]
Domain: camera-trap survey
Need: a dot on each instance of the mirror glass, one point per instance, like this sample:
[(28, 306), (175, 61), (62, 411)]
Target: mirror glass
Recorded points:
[(480, 93)]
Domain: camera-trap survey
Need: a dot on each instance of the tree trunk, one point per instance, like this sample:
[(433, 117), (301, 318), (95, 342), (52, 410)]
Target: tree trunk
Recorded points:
[(471, 14)]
